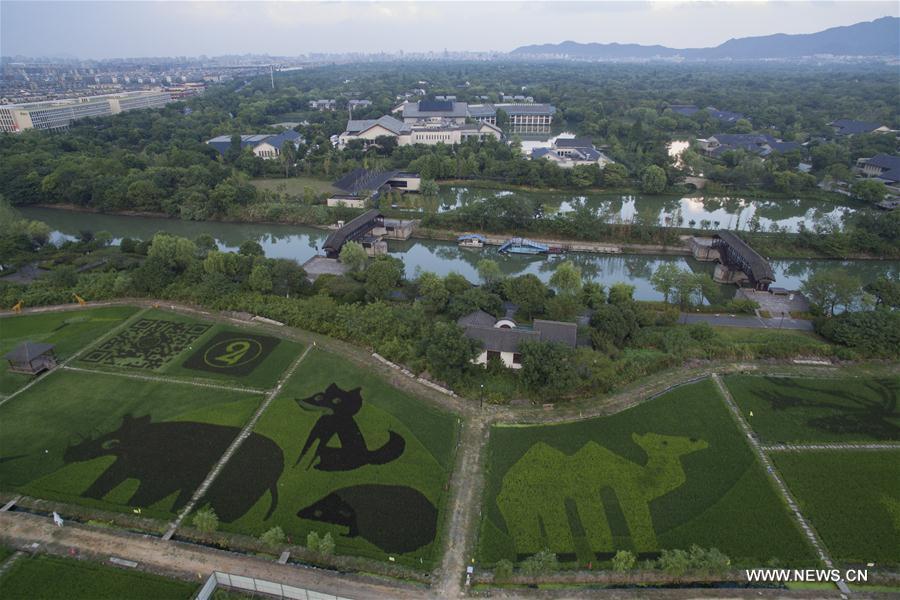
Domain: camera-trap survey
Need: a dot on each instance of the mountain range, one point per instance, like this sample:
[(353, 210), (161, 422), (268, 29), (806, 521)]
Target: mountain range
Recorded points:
[(880, 37)]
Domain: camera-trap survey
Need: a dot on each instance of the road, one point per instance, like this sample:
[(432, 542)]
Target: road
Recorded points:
[(725, 320)]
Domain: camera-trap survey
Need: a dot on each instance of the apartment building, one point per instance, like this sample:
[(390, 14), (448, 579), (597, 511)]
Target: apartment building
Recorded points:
[(59, 114)]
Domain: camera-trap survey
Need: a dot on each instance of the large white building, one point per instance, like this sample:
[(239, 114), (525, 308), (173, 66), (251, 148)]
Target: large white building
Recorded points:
[(523, 116), (430, 133), (571, 152), (58, 114)]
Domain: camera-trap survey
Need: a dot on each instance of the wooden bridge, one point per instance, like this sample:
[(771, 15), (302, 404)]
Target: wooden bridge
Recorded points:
[(352, 231), (736, 254)]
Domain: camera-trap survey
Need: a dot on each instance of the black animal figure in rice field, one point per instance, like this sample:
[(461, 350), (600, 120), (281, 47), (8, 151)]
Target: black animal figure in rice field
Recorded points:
[(353, 452), (176, 456), (394, 518)]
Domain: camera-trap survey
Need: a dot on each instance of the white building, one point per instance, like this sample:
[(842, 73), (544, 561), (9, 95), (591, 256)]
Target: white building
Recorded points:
[(500, 338), (59, 114), (430, 133), (569, 152)]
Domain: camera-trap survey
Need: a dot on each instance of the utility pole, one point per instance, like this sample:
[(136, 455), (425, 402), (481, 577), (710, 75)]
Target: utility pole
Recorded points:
[(272, 75)]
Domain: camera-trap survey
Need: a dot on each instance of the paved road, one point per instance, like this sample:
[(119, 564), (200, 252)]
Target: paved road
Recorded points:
[(813, 447), (726, 320)]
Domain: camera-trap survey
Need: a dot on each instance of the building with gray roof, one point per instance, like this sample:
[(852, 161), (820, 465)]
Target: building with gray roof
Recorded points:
[(501, 339)]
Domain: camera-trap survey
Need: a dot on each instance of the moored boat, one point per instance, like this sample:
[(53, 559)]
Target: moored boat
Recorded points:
[(471, 240)]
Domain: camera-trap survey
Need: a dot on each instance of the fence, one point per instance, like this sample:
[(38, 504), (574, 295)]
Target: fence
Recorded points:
[(252, 584)]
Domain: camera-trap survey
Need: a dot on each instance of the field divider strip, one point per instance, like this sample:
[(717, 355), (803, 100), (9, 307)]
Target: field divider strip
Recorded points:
[(826, 447), (775, 476), (127, 322), (244, 434), (160, 379)]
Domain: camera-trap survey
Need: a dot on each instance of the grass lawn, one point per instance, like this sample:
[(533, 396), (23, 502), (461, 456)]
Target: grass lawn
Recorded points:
[(385, 462), (669, 473), (82, 417), (819, 410), (851, 498), (52, 578), (69, 330), (195, 350), (5, 553), (763, 343), (295, 186)]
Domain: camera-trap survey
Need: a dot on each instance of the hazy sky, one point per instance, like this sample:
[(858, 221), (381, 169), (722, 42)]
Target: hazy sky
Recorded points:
[(133, 29)]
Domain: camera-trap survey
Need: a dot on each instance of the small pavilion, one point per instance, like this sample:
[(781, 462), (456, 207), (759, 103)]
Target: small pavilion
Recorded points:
[(31, 358)]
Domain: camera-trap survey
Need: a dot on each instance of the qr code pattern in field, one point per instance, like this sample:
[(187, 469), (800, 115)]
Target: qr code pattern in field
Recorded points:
[(148, 344)]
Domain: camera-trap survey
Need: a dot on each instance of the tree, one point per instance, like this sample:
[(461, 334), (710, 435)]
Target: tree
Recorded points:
[(615, 176), (742, 126), (261, 279), (675, 562), (621, 293), (273, 537), (354, 256), (503, 570), (448, 351), (623, 561), (326, 545), (63, 277), (251, 248), (489, 271), (382, 276), (542, 562), (206, 520), (173, 252), (831, 288), (433, 292), (616, 323), (312, 541), (288, 157), (429, 188), (528, 292), (548, 368), (886, 292), (566, 279), (869, 190), (653, 180), (664, 279)]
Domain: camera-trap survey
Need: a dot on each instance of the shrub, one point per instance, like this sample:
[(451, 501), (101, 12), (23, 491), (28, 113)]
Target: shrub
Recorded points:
[(503, 570), (326, 545), (206, 520), (273, 538), (312, 541), (542, 562), (623, 561)]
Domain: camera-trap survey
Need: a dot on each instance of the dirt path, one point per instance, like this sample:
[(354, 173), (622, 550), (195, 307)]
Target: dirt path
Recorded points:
[(466, 488), (190, 562)]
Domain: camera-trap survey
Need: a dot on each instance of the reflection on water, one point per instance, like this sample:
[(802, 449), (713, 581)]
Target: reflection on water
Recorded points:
[(688, 211), (300, 243)]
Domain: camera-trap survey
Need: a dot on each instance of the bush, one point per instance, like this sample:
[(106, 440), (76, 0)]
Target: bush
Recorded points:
[(206, 520), (326, 545), (503, 571), (542, 562), (875, 332), (312, 541), (623, 561), (273, 538)]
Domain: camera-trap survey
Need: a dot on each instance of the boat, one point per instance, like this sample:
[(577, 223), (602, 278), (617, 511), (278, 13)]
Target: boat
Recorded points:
[(523, 246), (471, 240)]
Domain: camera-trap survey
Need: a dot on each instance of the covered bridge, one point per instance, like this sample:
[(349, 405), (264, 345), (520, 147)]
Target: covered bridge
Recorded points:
[(736, 254), (352, 231)]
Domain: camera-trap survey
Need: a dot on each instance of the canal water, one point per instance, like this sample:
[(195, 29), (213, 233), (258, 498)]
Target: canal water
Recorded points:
[(300, 243), (695, 212)]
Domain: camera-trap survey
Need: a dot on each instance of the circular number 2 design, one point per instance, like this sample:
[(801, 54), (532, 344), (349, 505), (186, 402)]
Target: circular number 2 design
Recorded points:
[(232, 353)]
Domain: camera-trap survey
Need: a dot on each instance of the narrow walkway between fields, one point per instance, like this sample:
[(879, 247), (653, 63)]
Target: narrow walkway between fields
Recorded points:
[(464, 508), (244, 434), (829, 446), (163, 379), (127, 322), (810, 533)]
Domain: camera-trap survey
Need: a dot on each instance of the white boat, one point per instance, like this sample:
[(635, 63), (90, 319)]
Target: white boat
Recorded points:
[(471, 240)]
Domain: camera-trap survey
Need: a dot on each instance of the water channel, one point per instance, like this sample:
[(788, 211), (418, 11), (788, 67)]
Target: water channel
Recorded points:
[(300, 243)]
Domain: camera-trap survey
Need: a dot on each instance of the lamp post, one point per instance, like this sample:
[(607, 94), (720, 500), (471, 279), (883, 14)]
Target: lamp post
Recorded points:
[(481, 401)]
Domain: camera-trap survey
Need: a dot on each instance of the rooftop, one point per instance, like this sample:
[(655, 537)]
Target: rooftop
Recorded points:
[(27, 352), (850, 127)]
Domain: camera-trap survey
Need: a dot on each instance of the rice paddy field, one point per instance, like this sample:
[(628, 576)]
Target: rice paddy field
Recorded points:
[(69, 331), (797, 410), (666, 474), (145, 412), (852, 498), (362, 461), (45, 577)]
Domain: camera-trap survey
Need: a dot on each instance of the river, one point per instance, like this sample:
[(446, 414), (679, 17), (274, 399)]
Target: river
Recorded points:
[(300, 243)]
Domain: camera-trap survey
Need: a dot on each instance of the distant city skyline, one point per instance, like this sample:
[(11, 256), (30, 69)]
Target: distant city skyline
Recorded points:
[(101, 30)]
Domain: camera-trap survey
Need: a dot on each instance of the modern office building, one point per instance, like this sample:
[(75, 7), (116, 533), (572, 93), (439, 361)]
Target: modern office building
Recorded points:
[(59, 114)]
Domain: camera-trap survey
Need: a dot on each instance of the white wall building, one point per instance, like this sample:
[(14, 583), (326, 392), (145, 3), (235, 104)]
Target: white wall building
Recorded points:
[(59, 114)]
